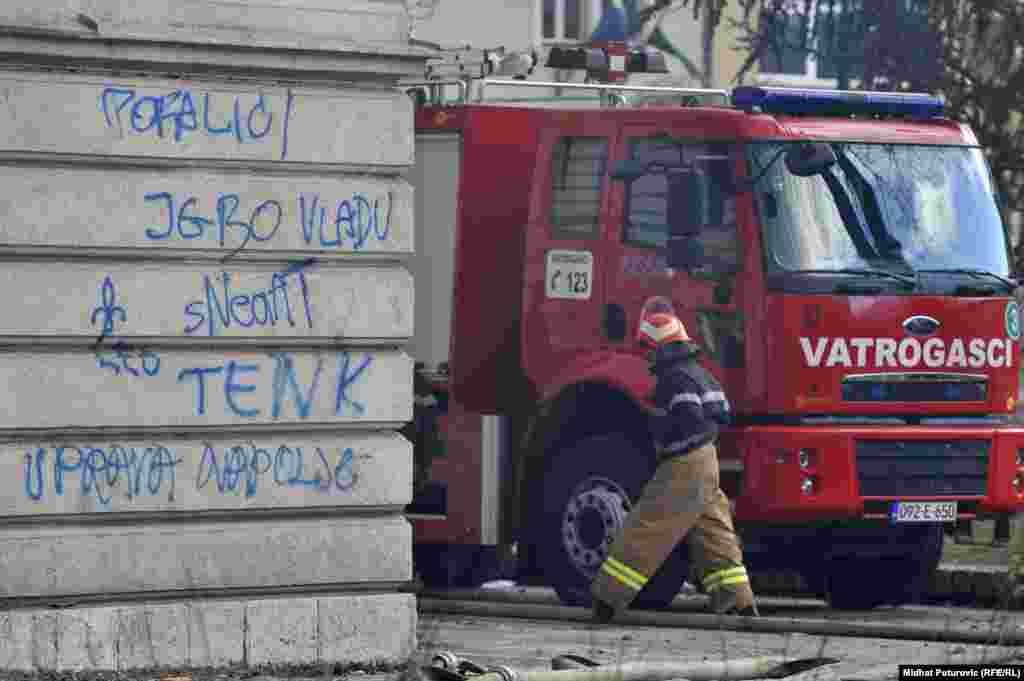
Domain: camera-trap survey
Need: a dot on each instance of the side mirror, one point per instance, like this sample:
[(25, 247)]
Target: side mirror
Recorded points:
[(685, 210), (629, 170), (684, 253), (810, 158), (1002, 202)]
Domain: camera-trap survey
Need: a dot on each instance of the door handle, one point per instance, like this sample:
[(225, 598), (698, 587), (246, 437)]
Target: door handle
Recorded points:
[(613, 322)]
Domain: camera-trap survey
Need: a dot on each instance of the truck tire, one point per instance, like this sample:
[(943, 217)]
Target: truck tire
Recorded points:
[(893, 581), (587, 491)]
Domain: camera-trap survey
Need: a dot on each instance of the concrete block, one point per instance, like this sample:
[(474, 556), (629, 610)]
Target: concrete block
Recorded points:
[(87, 477), (134, 207), (69, 390), (28, 640), (367, 628), (216, 633), (151, 636), (281, 631), (271, 24), (211, 555), (119, 117), (87, 639), (248, 302)]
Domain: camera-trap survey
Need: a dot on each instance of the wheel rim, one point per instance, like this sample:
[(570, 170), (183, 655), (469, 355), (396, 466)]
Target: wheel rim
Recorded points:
[(593, 517)]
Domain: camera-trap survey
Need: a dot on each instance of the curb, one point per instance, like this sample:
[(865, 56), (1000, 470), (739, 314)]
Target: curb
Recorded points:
[(952, 582)]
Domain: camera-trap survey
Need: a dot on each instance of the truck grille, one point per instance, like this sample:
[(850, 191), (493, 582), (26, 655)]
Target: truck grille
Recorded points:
[(915, 389), (899, 468)]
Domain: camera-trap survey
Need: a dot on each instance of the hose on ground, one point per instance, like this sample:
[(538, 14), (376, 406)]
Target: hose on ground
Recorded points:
[(729, 670), (1006, 634)]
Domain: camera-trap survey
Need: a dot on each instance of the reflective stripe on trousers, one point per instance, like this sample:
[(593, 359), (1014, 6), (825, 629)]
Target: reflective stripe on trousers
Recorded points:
[(623, 574), (727, 577)]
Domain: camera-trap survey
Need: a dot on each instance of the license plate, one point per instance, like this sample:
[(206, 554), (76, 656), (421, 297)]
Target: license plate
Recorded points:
[(923, 512)]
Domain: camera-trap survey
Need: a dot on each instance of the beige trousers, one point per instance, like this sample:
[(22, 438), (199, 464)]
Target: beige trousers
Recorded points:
[(683, 498)]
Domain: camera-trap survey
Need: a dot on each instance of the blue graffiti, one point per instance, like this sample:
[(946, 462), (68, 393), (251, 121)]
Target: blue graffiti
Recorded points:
[(107, 308), (184, 223), (286, 389), (143, 470), (180, 113), (239, 468), (284, 379), (355, 219), (268, 307), (154, 470), (347, 377), (351, 223), (132, 362)]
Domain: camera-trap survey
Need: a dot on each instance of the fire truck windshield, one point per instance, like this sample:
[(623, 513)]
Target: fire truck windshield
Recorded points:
[(883, 206)]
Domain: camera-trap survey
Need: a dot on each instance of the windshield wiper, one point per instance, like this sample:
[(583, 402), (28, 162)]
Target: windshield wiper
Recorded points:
[(979, 274), (885, 243), (864, 272)]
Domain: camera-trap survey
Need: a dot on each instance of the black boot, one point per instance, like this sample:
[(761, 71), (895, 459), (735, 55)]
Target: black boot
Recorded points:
[(602, 613)]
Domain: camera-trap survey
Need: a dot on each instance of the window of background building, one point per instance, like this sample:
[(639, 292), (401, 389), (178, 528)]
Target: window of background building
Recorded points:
[(813, 48), (578, 166), (805, 47)]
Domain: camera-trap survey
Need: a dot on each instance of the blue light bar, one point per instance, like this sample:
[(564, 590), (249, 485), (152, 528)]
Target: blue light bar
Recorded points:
[(836, 102)]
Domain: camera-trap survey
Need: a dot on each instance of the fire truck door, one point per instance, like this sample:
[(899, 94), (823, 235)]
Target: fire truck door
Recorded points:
[(704, 207), (566, 254)]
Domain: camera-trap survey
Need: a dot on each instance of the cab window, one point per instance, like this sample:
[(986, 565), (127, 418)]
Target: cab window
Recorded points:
[(645, 218), (578, 166)]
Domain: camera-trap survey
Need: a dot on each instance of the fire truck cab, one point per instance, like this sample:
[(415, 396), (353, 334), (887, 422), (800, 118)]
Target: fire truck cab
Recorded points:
[(839, 256)]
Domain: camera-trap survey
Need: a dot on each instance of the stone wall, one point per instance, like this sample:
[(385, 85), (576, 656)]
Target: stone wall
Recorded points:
[(204, 221)]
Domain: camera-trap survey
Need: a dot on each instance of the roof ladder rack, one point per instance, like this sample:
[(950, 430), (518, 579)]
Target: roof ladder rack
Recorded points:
[(610, 94)]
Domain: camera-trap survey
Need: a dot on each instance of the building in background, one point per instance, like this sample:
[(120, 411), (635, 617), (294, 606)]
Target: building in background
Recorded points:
[(536, 24)]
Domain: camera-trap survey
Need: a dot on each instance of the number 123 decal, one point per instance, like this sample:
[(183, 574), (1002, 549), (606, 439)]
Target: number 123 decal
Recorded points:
[(569, 275)]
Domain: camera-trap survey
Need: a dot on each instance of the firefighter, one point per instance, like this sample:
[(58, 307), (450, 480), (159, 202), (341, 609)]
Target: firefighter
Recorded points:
[(683, 499)]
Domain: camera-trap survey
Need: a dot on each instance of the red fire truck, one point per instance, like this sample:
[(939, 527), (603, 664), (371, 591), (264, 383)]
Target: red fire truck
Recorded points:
[(841, 258)]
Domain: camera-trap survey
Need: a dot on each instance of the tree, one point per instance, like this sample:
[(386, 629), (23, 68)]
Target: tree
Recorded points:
[(983, 82), (888, 43), (969, 51)]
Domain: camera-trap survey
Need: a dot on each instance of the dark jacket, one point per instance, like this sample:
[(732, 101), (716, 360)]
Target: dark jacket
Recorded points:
[(690, 402)]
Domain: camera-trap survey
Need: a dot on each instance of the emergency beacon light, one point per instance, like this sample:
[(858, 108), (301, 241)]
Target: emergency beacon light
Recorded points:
[(602, 60), (836, 102)]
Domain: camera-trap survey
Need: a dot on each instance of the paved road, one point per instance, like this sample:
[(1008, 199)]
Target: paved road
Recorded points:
[(527, 643)]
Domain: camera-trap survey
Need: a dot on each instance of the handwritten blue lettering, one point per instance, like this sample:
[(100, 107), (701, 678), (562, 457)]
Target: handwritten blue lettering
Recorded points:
[(134, 472), (144, 471), (177, 112), (107, 308), (238, 469), (284, 378), (351, 223), (347, 377), (200, 374), (268, 307), (231, 387), (123, 358), (287, 390), (181, 221), (353, 219)]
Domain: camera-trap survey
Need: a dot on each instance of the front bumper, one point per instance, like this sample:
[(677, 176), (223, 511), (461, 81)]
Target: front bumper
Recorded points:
[(819, 472)]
